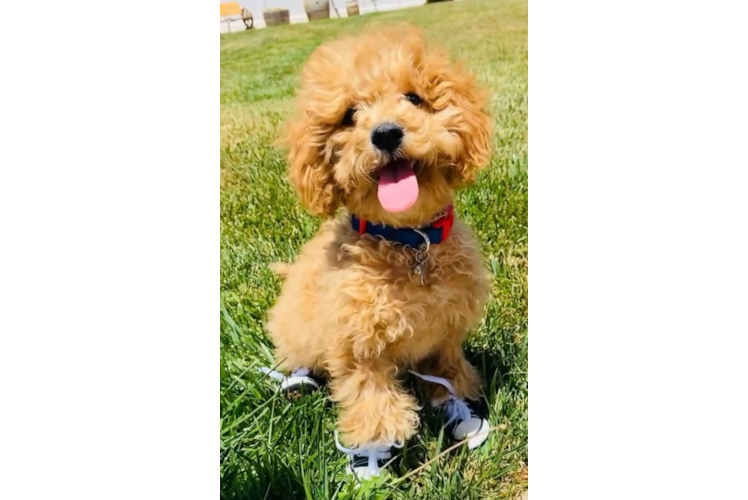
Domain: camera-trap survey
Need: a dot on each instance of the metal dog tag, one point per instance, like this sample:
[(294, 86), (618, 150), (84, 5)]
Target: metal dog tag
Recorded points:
[(420, 271), (422, 257)]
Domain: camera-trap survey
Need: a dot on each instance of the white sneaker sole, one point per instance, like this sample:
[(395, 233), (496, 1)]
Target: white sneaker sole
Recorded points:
[(479, 437), (297, 383), (362, 473)]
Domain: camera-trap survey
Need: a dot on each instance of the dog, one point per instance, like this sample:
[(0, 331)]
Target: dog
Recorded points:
[(386, 130)]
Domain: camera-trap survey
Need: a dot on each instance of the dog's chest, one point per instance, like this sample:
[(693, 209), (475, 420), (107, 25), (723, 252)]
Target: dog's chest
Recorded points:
[(444, 300)]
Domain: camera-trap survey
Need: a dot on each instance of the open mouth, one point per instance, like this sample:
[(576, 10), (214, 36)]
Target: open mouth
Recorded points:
[(398, 186)]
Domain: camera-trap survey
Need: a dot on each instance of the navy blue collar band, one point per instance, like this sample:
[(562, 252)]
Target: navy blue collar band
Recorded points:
[(437, 232)]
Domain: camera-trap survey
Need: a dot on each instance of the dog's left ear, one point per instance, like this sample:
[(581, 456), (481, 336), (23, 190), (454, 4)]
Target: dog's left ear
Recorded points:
[(471, 120), (476, 126), (476, 136)]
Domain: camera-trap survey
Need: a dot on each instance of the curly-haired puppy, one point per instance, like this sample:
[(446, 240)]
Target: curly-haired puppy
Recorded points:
[(387, 128)]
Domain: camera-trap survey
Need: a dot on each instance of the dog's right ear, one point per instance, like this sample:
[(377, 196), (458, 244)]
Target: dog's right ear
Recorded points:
[(309, 172)]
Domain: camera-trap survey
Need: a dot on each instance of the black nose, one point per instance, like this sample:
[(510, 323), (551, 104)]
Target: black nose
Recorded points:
[(387, 136)]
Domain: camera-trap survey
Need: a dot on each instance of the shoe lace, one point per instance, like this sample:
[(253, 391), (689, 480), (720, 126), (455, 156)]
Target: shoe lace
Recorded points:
[(456, 408), (372, 451)]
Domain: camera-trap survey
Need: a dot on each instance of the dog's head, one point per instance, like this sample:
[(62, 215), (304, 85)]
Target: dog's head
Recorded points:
[(387, 127)]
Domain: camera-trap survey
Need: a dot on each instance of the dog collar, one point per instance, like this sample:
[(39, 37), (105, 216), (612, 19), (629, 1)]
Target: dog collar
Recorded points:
[(435, 233)]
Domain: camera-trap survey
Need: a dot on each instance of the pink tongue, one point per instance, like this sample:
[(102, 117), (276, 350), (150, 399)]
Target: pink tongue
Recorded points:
[(398, 186)]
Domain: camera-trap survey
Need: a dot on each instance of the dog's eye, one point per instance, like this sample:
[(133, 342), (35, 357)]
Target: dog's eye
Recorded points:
[(414, 98), (348, 117)]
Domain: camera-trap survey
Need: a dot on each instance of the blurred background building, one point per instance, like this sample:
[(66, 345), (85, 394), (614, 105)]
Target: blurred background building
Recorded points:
[(297, 13)]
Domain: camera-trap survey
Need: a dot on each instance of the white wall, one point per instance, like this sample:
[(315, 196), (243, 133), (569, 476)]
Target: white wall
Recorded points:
[(298, 15)]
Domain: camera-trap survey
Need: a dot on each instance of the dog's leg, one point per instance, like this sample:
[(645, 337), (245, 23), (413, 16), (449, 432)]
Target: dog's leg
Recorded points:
[(452, 381), (449, 363), (374, 408)]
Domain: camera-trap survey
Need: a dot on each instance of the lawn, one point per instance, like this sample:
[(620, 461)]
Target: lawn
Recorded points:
[(274, 449)]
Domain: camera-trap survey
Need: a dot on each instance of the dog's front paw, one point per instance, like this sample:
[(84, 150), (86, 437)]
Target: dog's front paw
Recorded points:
[(387, 419)]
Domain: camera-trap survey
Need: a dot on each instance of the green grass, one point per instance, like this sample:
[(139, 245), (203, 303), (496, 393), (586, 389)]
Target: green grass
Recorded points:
[(272, 448)]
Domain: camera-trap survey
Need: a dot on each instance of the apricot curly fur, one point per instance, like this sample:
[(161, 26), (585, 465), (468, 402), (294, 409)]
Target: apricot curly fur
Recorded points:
[(350, 306)]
